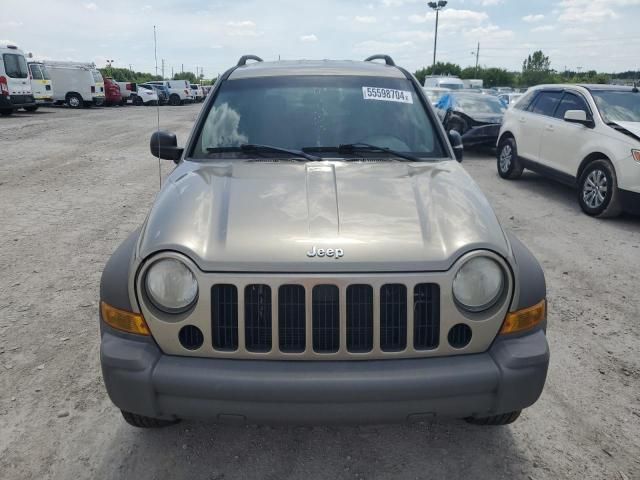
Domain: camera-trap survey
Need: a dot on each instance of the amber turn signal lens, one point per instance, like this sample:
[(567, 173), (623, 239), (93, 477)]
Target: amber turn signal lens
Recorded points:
[(122, 320), (525, 319)]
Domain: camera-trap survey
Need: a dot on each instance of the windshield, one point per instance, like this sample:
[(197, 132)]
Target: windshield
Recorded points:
[(319, 111), (618, 106), (479, 104), (15, 65), (97, 77), (452, 86)]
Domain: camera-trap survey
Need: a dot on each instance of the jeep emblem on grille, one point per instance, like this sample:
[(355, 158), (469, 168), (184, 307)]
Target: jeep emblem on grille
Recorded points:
[(325, 252)]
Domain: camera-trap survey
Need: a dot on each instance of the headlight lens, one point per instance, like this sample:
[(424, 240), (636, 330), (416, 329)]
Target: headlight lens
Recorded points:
[(171, 286), (478, 284)]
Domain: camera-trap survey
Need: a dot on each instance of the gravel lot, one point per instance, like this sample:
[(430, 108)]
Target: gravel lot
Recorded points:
[(73, 184)]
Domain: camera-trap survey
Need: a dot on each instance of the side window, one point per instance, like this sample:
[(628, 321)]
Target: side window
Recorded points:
[(36, 72), (525, 101), (546, 103), (570, 101)]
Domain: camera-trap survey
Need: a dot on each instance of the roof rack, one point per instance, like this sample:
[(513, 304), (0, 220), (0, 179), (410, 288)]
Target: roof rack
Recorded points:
[(243, 60), (387, 59)]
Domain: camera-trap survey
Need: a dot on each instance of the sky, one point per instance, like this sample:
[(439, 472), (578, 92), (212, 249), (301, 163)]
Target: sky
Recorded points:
[(211, 35)]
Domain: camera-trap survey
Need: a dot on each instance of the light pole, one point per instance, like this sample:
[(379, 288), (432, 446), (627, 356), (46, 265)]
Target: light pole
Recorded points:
[(437, 6)]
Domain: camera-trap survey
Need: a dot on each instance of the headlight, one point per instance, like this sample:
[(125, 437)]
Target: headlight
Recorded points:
[(478, 284), (171, 286)]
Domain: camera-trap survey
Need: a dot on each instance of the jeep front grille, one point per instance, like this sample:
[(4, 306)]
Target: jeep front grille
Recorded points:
[(325, 322), (324, 316)]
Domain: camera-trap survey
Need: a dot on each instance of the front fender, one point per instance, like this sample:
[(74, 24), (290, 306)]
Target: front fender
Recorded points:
[(532, 287), (114, 283)]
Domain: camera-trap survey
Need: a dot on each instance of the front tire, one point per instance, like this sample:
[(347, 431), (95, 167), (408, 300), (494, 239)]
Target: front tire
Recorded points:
[(174, 99), (6, 112), (140, 421), (509, 166), (31, 109), (598, 190), (137, 101), (74, 101), (495, 420)]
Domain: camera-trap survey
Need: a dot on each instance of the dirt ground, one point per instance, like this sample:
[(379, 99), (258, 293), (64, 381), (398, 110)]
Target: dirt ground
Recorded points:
[(73, 184)]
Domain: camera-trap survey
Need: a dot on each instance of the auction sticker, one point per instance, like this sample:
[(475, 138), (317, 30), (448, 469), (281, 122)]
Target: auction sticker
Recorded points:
[(387, 94)]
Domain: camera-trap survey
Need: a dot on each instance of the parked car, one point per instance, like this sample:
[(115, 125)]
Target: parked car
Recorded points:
[(145, 95), (161, 90), (40, 85), (179, 91), (450, 82), (475, 116), (587, 136), (15, 86), (197, 92), (126, 89), (112, 92), (301, 265), (509, 98), (78, 84), (434, 94)]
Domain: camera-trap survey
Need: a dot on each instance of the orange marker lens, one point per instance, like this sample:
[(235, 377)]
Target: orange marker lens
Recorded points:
[(524, 319), (122, 320)]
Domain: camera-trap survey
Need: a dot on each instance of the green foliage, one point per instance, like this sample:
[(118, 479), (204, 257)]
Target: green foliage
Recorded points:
[(189, 76), (491, 77), (440, 69), (536, 69), (126, 75)]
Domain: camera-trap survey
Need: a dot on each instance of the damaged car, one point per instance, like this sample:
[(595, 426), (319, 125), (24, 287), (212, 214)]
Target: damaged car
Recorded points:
[(475, 116)]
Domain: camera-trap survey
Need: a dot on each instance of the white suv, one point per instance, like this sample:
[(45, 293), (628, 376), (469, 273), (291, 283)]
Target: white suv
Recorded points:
[(583, 135), (179, 91)]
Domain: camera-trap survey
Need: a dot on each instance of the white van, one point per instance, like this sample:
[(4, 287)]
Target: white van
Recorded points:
[(450, 82), (75, 83), (179, 91), (15, 86), (40, 85)]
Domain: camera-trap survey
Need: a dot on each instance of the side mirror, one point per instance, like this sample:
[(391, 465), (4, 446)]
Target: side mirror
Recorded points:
[(165, 145), (578, 116), (456, 142)]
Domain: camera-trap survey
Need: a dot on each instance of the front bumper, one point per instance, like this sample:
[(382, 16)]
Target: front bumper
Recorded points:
[(17, 101), (98, 101), (141, 379), (481, 135)]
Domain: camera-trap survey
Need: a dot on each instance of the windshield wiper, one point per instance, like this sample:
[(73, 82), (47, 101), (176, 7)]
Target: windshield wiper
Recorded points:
[(253, 148), (351, 148)]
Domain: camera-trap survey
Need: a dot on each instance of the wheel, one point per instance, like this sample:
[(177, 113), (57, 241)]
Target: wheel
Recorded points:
[(74, 100), (31, 109), (504, 419), (141, 421), (137, 101), (174, 99), (598, 190), (122, 102), (509, 165), (6, 112)]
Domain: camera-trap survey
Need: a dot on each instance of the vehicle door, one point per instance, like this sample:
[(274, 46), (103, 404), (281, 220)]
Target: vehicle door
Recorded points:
[(561, 140), (17, 73), (532, 121), (37, 81)]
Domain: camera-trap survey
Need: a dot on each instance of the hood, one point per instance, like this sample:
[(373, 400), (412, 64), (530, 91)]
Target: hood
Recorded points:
[(633, 127), (251, 216)]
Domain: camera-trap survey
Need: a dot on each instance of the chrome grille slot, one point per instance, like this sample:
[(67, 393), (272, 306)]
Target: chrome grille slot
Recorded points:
[(291, 318), (326, 319), (393, 317), (257, 318), (224, 317), (359, 318), (426, 316)]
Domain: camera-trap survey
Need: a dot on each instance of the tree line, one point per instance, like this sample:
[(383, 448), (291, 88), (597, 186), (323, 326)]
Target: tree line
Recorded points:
[(126, 75), (536, 70)]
